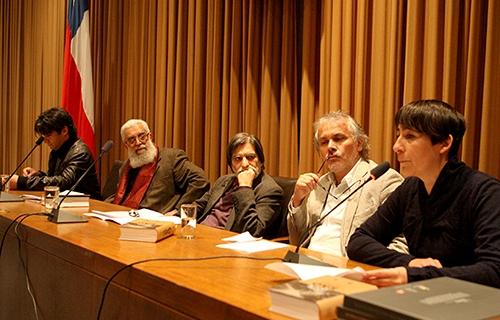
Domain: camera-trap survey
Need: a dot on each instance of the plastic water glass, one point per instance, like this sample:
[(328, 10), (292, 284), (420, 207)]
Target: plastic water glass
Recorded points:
[(188, 221), (50, 197)]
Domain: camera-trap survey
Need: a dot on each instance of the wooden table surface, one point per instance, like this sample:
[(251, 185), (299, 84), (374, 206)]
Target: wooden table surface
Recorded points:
[(69, 264)]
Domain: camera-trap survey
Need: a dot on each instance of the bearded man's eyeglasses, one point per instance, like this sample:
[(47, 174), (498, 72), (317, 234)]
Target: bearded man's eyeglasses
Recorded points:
[(138, 139)]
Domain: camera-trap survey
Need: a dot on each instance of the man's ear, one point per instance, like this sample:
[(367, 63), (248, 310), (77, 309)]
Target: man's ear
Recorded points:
[(446, 144), (65, 131)]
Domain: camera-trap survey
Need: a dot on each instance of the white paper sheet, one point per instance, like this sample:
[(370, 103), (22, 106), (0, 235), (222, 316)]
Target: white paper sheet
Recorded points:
[(307, 271), (242, 237), (252, 246)]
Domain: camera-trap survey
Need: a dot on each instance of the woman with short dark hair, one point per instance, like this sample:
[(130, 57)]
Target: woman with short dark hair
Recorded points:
[(448, 212)]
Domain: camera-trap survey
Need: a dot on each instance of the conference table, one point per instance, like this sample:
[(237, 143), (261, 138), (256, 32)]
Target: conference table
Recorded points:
[(68, 266)]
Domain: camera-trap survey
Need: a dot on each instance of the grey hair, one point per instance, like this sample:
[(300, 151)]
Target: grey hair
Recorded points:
[(356, 130), (132, 123)]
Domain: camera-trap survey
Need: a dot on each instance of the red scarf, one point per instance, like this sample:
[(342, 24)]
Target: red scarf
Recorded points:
[(140, 186)]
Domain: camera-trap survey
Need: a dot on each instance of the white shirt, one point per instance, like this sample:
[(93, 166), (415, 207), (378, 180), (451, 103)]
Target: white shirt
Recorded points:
[(327, 236)]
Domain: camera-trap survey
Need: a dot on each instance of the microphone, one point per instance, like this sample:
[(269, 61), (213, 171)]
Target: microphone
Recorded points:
[(57, 216), (4, 197), (295, 256)]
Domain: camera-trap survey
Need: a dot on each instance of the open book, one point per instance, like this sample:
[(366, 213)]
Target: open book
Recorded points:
[(123, 217)]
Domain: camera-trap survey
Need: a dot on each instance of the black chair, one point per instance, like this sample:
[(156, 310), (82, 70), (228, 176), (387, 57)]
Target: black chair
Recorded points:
[(279, 229), (111, 184)]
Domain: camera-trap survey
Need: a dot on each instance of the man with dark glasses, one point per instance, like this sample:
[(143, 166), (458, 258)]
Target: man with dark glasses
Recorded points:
[(246, 200)]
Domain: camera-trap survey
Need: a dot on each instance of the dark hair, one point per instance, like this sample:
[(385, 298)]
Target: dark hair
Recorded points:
[(436, 119), (55, 119), (242, 138)]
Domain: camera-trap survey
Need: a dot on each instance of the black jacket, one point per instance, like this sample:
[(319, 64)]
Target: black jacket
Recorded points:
[(458, 223), (66, 165)]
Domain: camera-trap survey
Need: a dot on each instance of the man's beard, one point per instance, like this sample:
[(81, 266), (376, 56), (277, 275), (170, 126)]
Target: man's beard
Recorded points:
[(146, 157)]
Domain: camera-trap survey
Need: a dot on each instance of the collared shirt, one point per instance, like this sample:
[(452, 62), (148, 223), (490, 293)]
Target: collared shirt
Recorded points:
[(327, 235)]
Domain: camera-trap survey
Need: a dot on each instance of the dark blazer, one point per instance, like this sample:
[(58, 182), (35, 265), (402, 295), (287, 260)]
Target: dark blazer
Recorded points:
[(176, 181), (66, 165), (254, 210)]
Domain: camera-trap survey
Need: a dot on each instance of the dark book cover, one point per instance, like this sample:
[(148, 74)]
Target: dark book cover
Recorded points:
[(439, 298)]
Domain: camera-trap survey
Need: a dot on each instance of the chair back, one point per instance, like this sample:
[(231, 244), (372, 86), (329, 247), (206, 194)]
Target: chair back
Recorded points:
[(111, 184), (279, 228)]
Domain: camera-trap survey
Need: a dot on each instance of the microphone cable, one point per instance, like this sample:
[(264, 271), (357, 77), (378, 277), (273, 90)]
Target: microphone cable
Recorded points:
[(101, 304), (21, 218), (12, 223)]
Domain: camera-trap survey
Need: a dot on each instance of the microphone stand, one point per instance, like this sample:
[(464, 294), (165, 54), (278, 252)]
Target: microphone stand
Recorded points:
[(5, 197), (57, 216), (295, 256)]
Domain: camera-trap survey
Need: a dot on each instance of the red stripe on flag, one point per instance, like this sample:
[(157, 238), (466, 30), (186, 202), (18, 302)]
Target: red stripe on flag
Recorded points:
[(72, 96)]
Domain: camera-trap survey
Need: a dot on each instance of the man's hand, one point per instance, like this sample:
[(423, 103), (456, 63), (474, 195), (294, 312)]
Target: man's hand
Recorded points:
[(29, 171), (386, 277), (12, 182), (427, 262), (305, 184), (246, 176)]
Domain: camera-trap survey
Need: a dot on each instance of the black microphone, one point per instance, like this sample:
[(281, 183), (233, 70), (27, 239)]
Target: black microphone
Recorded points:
[(7, 197), (295, 256), (57, 216)]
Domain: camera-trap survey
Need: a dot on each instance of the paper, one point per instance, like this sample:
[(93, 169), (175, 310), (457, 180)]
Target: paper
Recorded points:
[(122, 217), (31, 197), (252, 246), (73, 193), (242, 237), (307, 271)]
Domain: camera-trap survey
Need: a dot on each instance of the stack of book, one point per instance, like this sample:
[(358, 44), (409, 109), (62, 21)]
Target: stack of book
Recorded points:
[(313, 299), (74, 199), (146, 230), (439, 298)]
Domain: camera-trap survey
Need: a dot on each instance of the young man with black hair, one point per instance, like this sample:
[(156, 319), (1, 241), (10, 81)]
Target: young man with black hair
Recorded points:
[(69, 157)]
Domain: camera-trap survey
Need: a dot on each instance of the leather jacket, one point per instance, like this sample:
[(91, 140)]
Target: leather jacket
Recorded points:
[(66, 165)]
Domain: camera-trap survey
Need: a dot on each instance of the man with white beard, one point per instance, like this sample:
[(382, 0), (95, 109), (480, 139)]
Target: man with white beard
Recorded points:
[(160, 180)]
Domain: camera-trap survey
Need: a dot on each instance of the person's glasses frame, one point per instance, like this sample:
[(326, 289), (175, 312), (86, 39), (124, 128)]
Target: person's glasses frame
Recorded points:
[(142, 137)]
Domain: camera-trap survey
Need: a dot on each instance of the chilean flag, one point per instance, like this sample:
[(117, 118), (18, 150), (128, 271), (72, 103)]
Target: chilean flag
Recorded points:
[(78, 93)]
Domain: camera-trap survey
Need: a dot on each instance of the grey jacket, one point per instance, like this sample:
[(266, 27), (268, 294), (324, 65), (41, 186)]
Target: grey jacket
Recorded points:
[(359, 207)]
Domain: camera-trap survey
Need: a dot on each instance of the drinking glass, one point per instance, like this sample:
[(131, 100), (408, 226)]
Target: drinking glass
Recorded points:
[(188, 221), (50, 197)]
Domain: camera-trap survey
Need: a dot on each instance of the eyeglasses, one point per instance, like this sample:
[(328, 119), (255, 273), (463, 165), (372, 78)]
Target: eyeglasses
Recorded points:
[(134, 214), (248, 156), (142, 137)]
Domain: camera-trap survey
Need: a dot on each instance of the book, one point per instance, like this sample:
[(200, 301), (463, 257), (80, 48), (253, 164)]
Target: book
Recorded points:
[(437, 298), (123, 217), (146, 230), (315, 298), (74, 199)]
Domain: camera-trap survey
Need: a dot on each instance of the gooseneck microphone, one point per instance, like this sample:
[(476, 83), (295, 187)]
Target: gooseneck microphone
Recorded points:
[(294, 256), (57, 216), (7, 197)]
